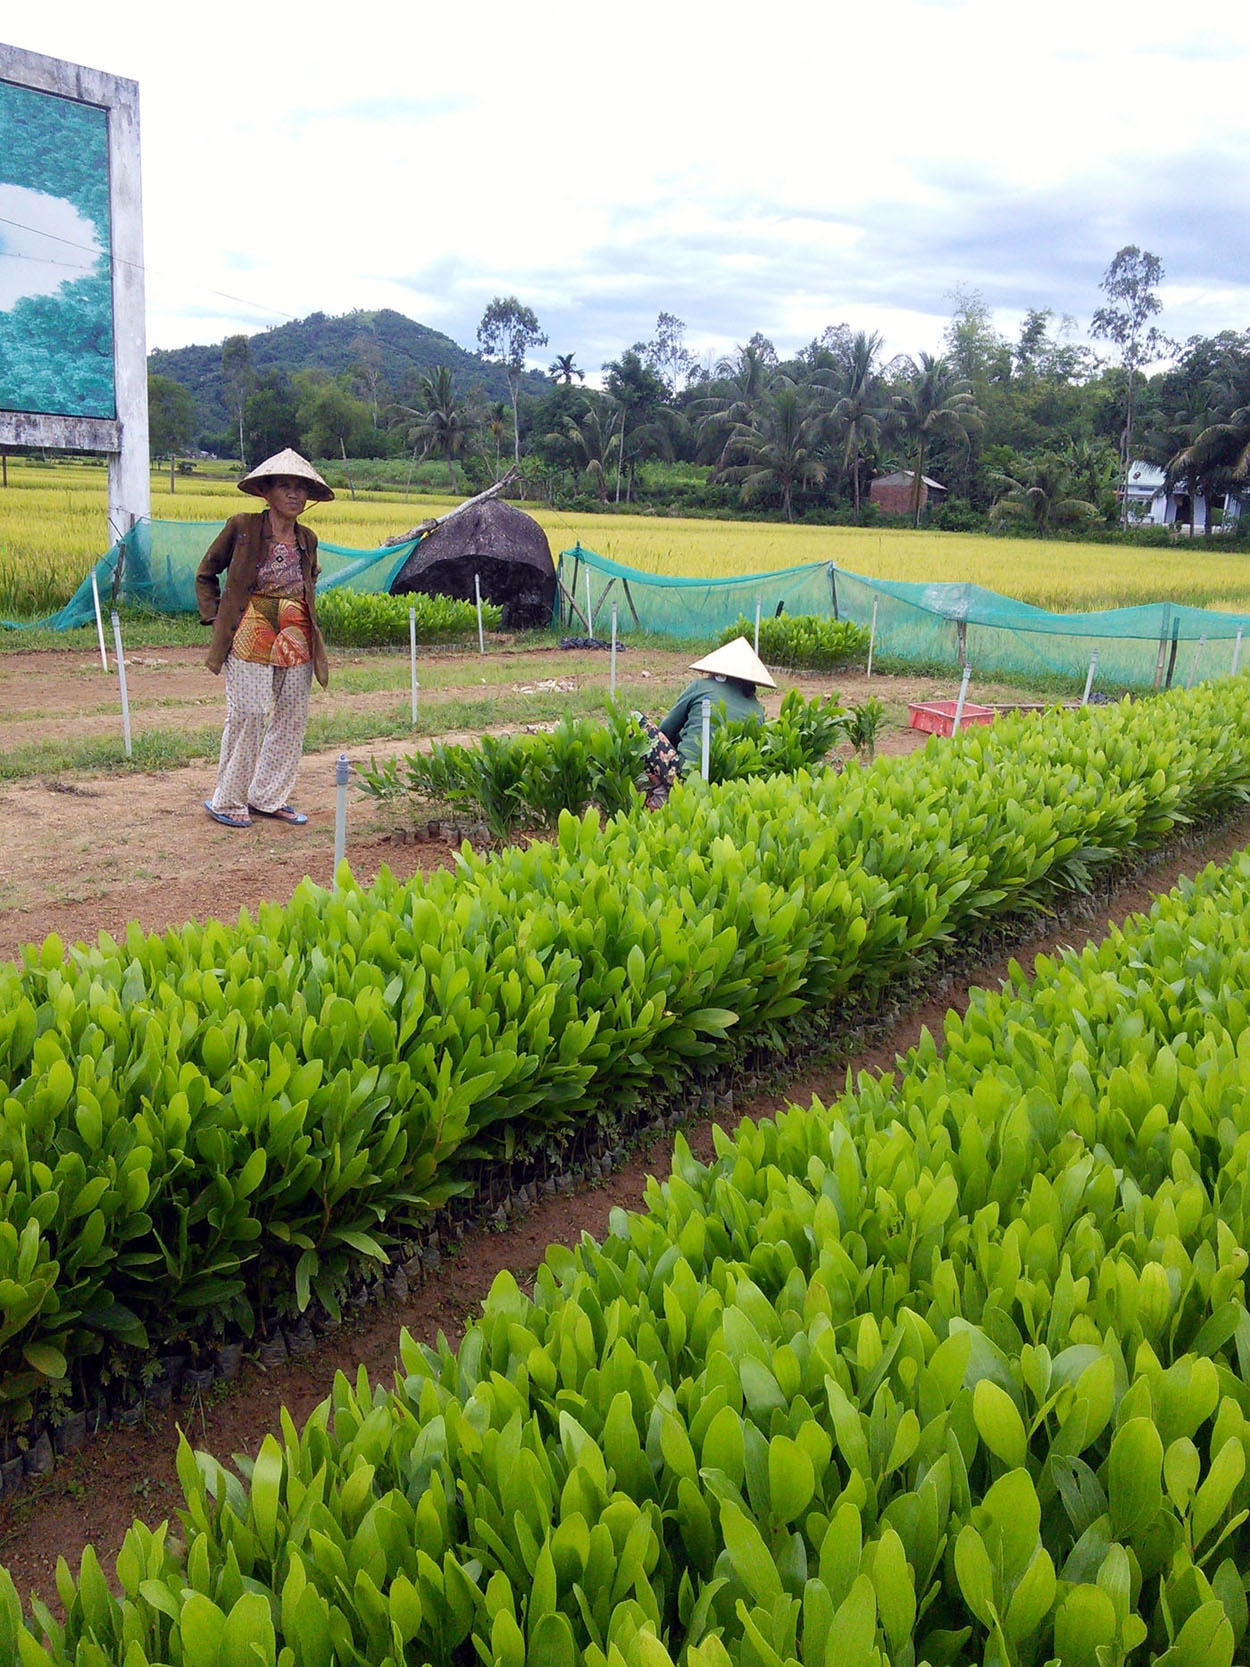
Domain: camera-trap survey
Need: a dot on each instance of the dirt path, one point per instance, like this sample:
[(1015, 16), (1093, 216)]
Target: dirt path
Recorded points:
[(94, 1495), (82, 852)]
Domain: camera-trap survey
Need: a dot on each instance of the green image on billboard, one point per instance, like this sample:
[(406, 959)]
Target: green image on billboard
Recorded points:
[(56, 302)]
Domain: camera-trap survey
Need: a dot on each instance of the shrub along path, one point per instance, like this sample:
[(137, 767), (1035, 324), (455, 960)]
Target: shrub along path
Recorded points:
[(94, 1495)]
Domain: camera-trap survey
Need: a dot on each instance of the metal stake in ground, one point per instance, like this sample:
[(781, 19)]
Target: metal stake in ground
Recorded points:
[(342, 775), (612, 682), (1089, 681), (121, 680), (477, 591), (99, 621), (707, 734), (959, 704), (412, 646), (590, 612), (1236, 652), (759, 603), (872, 637)]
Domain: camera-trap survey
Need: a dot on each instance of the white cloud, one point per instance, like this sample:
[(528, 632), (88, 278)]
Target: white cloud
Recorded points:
[(44, 243), (773, 171)]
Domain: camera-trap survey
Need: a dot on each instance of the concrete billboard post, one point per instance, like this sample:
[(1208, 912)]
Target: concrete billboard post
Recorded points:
[(74, 216)]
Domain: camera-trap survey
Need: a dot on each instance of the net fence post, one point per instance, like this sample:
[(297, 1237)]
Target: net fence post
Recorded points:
[(872, 637), (121, 681), (412, 647), (342, 774), (707, 734), (477, 591), (959, 704), (612, 678), (1236, 653), (1089, 681), (99, 621)]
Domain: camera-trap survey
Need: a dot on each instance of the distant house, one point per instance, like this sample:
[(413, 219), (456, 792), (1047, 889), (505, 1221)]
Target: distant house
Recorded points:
[(892, 494), (1151, 504)]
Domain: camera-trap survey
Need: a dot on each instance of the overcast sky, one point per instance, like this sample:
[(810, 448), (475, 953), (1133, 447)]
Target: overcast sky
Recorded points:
[(774, 168)]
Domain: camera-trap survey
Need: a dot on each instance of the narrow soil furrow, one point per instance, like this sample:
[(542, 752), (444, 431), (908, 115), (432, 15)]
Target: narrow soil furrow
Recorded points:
[(94, 1494)]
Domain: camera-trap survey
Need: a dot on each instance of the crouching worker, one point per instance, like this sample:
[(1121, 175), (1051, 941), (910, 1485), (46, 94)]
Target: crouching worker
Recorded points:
[(265, 635), (730, 677)]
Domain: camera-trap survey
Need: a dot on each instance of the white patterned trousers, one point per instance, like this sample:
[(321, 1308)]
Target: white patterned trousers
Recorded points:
[(261, 745)]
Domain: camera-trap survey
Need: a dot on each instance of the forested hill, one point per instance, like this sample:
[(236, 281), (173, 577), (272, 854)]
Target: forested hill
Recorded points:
[(381, 352)]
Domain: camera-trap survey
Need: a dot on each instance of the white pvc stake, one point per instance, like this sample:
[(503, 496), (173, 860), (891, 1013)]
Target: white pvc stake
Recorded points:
[(481, 639), (707, 734), (121, 678), (590, 613), (412, 645), (1089, 681), (342, 774), (1236, 652), (1193, 670), (872, 637), (959, 704), (612, 682), (758, 603), (99, 621)]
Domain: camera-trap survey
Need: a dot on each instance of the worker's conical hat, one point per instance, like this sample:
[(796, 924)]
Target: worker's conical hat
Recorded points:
[(736, 659), (286, 462)]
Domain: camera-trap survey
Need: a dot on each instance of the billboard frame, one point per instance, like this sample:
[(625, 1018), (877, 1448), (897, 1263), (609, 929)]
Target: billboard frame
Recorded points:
[(124, 439)]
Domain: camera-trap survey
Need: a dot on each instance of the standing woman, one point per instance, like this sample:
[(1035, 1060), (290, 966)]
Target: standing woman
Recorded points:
[(265, 635)]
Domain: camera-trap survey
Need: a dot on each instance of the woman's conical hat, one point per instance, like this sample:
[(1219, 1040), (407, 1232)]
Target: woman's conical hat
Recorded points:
[(286, 462), (736, 659)]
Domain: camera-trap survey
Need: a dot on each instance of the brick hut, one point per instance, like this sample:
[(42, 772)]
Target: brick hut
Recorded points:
[(892, 493)]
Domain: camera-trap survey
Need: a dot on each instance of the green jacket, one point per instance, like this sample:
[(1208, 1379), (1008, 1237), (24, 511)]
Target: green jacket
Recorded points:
[(684, 724)]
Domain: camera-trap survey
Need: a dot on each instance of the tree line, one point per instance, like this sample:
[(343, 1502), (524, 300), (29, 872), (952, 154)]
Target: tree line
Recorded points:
[(1036, 431)]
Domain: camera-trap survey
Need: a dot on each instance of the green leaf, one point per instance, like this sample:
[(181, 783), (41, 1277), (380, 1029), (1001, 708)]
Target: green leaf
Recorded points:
[(999, 1423), (791, 1479), (1084, 1624), (1134, 1489), (1218, 1488), (975, 1575), (751, 1559)]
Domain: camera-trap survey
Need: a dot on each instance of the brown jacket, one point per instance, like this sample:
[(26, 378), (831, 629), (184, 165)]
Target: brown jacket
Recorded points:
[(237, 548)]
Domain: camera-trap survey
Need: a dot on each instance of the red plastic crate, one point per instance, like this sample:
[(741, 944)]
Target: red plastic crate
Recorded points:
[(937, 717)]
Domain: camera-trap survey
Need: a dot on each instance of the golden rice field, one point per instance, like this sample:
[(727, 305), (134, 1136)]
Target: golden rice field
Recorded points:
[(53, 523)]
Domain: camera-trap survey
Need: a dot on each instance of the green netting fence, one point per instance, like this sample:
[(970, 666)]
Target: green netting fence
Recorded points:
[(944, 626), (938, 625), (158, 560)]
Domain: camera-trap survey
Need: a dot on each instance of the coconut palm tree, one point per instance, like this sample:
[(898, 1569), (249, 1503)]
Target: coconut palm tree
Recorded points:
[(445, 424), (562, 369), (733, 400), (1043, 496), (861, 410), (1217, 460), (935, 402), (597, 435), (784, 446)]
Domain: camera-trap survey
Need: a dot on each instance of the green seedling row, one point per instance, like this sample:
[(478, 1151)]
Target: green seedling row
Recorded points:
[(527, 781), (954, 1370), (204, 1130)]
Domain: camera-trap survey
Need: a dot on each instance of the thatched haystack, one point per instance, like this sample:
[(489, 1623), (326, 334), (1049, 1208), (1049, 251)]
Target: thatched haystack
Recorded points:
[(505, 548)]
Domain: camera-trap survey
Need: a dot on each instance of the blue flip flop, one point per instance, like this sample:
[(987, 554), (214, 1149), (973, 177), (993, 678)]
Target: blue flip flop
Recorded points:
[(284, 813), (226, 820)]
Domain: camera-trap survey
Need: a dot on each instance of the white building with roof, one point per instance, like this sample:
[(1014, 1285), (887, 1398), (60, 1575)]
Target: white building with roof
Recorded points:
[(1150, 503)]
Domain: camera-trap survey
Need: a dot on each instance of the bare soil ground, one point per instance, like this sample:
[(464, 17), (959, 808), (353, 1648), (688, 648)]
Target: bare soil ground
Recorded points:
[(84, 852), (93, 852)]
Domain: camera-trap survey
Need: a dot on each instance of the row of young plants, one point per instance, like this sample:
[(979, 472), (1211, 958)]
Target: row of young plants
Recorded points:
[(372, 619), (204, 1131), (956, 1369), (808, 642), (526, 781)]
